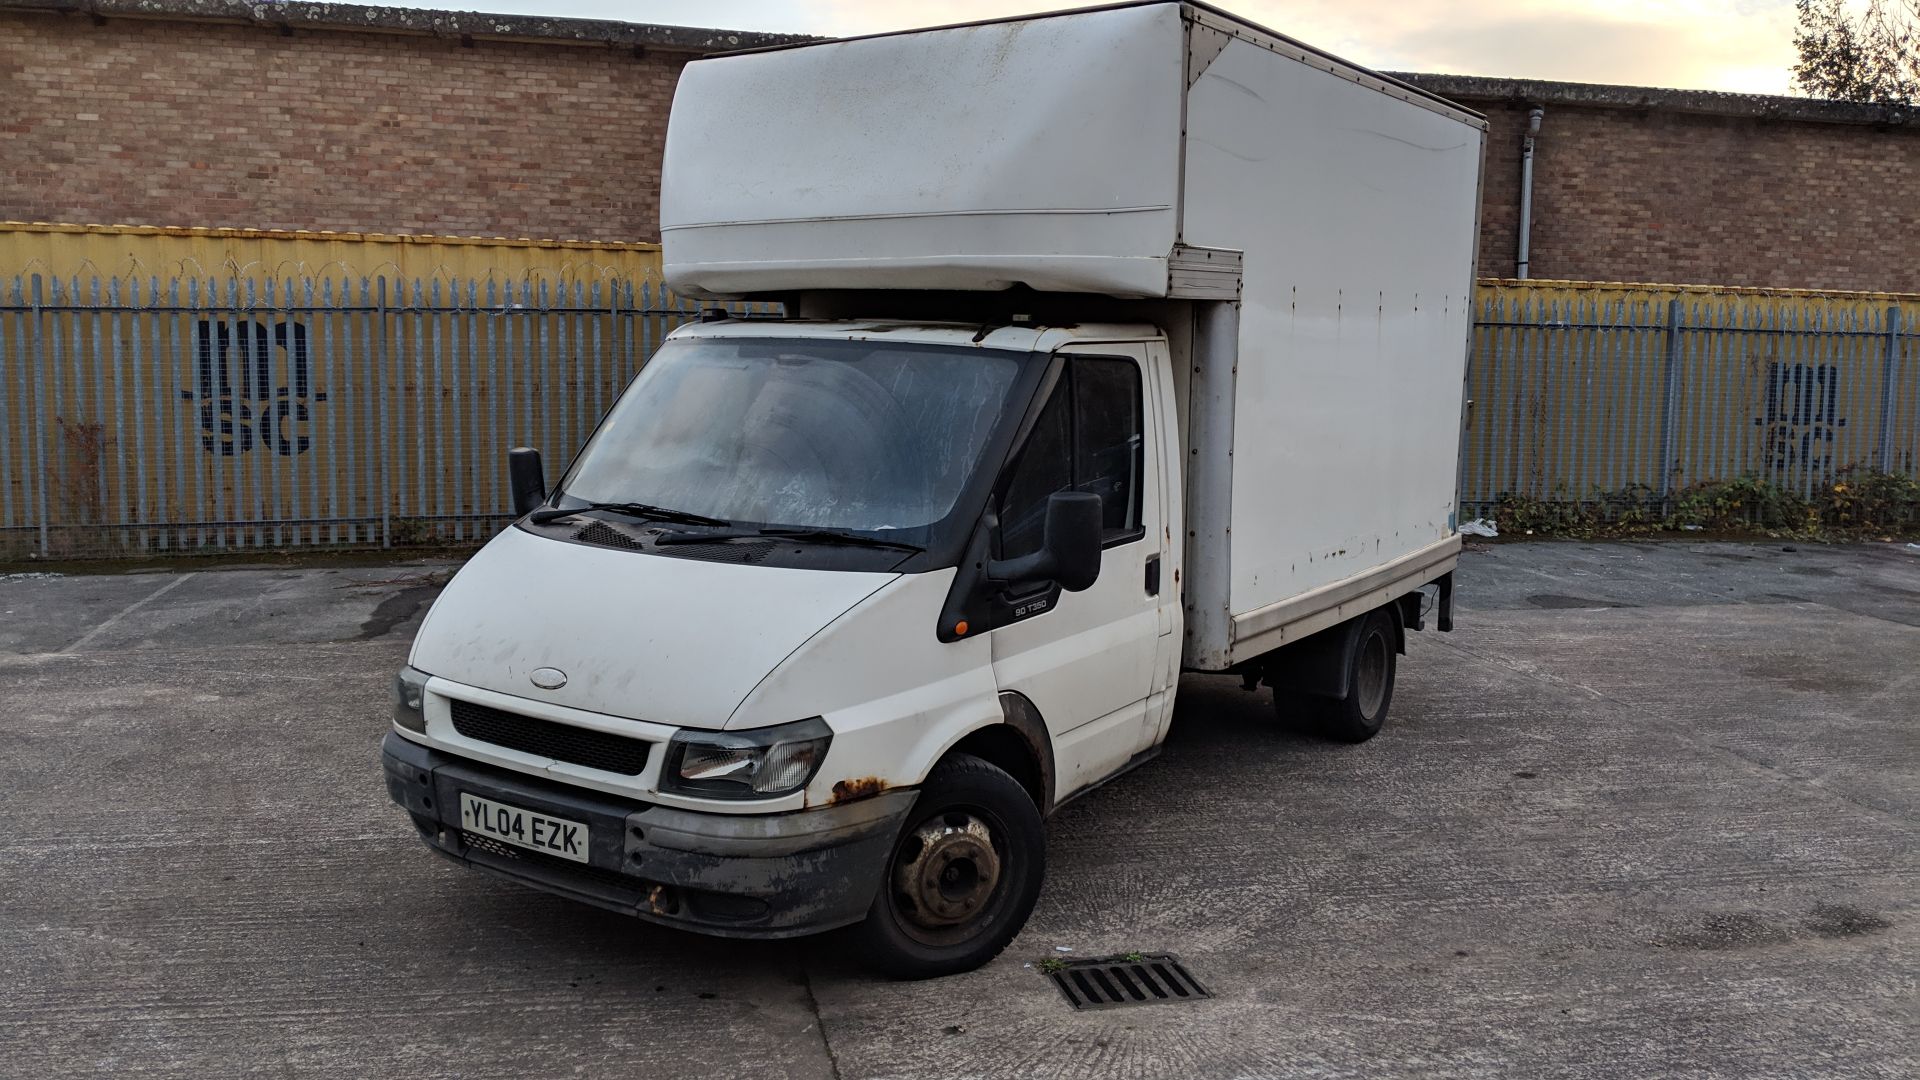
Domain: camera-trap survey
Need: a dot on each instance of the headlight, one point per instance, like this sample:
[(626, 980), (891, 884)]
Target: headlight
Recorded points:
[(409, 693), (758, 764)]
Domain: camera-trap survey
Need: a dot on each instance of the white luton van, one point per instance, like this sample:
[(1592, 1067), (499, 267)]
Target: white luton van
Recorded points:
[(1116, 343)]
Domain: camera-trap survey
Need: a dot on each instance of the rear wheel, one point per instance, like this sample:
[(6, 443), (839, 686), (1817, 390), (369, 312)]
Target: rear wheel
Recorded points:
[(1359, 716), (964, 873)]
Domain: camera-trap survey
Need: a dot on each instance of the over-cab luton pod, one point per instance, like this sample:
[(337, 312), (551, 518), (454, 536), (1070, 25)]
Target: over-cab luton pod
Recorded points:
[(1117, 343)]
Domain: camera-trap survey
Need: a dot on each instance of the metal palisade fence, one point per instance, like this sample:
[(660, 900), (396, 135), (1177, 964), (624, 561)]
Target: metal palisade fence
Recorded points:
[(145, 415), (195, 415), (1578, 392)]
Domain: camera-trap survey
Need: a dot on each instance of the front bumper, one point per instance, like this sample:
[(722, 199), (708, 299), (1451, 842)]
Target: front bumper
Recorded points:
[(735, 875)]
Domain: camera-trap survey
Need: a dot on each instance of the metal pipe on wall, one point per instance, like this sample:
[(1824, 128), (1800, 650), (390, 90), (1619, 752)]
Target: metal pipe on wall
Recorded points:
[(1534, 117)]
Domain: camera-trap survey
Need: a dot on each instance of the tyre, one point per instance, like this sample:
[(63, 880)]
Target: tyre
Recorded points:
[(1359, 716), (962, 877)]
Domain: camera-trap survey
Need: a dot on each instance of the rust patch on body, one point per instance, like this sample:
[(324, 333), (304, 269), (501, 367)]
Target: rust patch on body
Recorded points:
[(849, 790)]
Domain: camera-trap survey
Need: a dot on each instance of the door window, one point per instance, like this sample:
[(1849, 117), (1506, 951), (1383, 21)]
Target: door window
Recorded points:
[(1088, 438)]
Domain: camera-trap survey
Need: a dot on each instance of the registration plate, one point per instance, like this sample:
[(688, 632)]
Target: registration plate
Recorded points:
[(523, 828)]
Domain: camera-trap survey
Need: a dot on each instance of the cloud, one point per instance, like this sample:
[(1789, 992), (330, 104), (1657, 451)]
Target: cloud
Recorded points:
[(1739, 45), (1586, 49)]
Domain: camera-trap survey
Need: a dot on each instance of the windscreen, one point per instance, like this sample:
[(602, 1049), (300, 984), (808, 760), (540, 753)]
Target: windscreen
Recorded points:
[(860, 435)]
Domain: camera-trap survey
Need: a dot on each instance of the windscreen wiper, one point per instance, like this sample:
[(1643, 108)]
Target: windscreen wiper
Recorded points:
[(835, 536), (788, 532), (644, 511)]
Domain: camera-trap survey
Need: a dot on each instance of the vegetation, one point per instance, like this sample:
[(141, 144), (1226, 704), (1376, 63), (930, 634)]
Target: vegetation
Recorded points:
[(1853, 51), (415, 532), (1859, 504)]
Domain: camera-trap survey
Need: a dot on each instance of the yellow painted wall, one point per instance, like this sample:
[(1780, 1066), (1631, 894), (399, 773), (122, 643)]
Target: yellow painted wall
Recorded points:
[(145, 252)]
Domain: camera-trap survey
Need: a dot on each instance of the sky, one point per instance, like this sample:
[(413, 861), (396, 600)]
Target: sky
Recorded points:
[(1744, 46)]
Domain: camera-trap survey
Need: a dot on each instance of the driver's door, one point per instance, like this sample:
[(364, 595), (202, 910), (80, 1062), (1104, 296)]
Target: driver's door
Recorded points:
[(1086, 660)]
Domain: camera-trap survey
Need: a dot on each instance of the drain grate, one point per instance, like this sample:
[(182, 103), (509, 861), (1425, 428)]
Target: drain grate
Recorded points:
[(1125, 980)]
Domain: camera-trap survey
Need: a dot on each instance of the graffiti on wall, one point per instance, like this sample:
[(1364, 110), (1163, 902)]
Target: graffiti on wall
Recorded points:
[(1803, 404), (254, 386)]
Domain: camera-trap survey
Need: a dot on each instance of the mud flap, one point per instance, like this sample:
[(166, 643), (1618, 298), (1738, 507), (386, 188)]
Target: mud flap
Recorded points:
[(1320, 664)]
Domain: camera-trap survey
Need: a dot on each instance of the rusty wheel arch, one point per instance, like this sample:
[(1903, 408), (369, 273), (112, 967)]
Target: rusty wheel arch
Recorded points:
[(1020, 745)]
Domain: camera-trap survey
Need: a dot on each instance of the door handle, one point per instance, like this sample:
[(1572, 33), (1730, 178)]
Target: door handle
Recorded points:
[(1153, 575)]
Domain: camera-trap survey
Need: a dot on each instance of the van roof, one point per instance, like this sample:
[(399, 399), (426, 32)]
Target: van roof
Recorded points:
[(1210, 14), (1017, 338)]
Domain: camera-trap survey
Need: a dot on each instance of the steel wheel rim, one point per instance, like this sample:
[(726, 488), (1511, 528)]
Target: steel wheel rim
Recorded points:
[(949, 875)]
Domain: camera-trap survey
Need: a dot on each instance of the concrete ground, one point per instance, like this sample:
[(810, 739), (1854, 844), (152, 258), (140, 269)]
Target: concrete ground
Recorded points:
[(1649, 812)]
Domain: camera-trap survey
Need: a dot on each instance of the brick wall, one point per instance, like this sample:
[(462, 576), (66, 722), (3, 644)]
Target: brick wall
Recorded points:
[(209, 124), (421, 122), (1625, 195)]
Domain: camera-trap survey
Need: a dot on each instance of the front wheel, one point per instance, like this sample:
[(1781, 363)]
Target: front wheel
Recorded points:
[(963, 876)]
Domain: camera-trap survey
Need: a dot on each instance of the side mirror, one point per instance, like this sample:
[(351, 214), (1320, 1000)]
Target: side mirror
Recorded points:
[(525, 479), (1071, 553)]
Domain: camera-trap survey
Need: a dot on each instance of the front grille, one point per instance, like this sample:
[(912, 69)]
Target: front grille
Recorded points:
[(1124, 980), (620, 885), (561, 742)]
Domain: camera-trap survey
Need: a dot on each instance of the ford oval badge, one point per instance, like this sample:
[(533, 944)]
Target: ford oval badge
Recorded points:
[(548, 678)]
